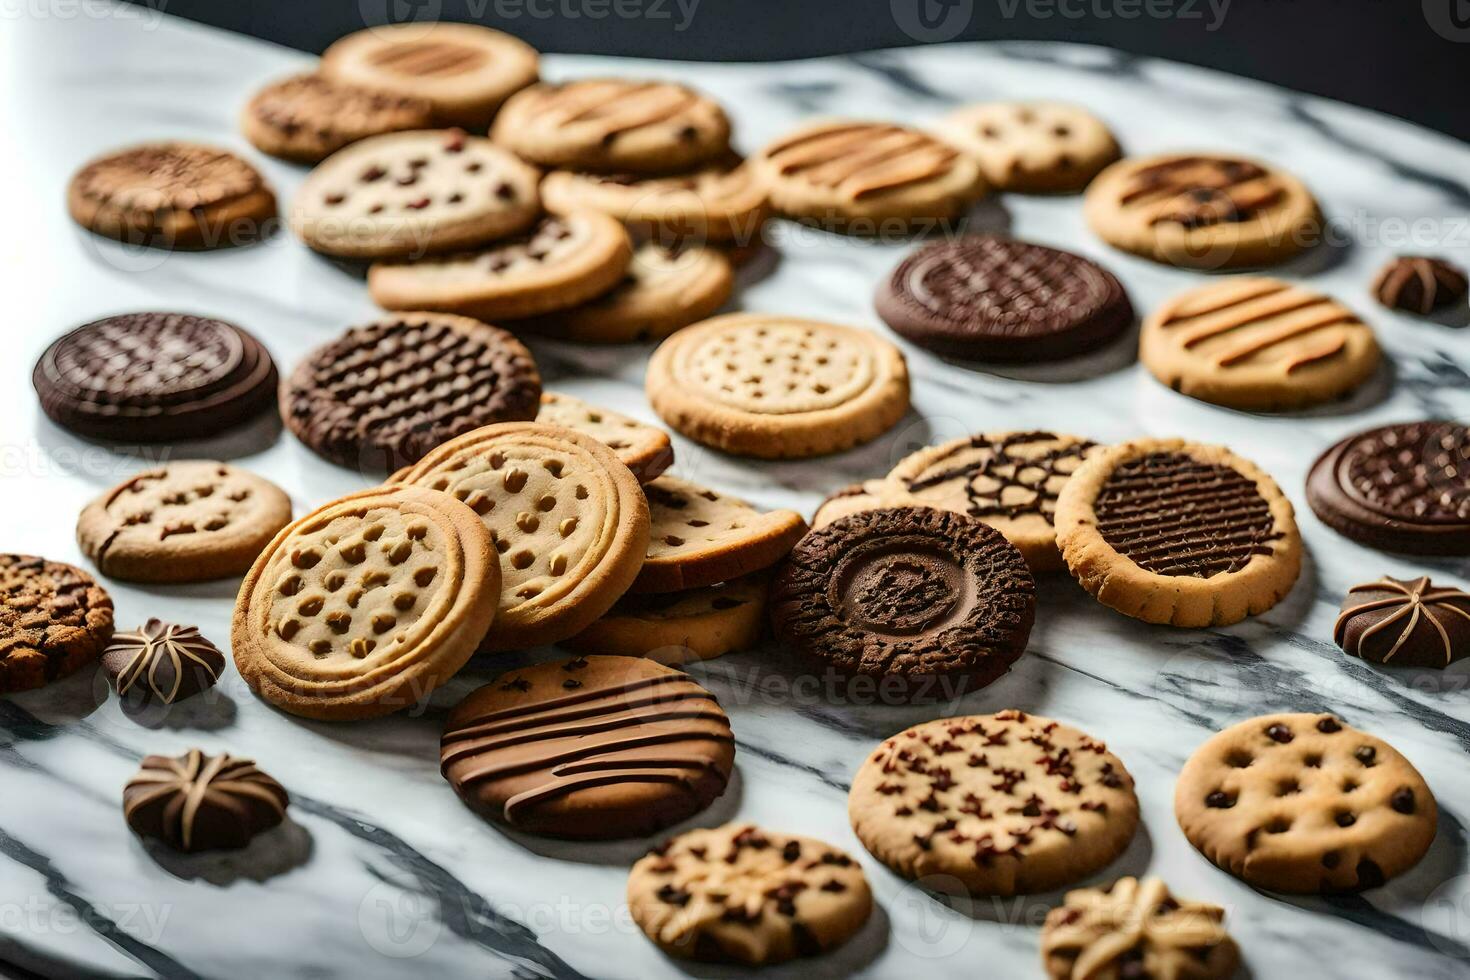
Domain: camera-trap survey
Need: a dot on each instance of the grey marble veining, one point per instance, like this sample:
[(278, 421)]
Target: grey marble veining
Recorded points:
[(381, 871)]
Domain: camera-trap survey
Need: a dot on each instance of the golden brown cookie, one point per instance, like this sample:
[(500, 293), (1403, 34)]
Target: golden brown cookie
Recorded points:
[(1005, 804), (851, 499), (1032, 147), (741, 894), (1303, 803), (777, 387), (644, 449), (307, 118), (721, 202), (1169, 531), (53, 619), (676, 627)]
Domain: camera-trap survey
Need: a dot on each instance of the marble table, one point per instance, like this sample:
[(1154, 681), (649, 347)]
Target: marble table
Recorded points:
[(382, 871)]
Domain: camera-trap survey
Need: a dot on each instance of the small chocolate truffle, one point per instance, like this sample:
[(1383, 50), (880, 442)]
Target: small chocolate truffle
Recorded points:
[(1405, 623), (161, 662), (1419, 285), (199, 802)]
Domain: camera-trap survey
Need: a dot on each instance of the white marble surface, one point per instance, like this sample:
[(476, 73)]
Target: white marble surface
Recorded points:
[(383, 872)]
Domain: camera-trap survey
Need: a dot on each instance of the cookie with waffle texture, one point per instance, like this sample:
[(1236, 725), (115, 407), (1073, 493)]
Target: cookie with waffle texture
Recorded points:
[(306, 118), (54, 618), (1032, 147), (676, 627), (720, 202), (644, 449), (197, 802)]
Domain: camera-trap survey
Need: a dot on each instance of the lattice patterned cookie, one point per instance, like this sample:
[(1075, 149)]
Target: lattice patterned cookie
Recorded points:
[(365, 605), (644, 449), (308, 117), (676, 627), (569, 520), (53, 619), (1032, 147), (718, 203)]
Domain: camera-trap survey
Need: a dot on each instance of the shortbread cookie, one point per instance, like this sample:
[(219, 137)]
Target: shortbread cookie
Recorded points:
[(1134, 928), (1419, 284), (663, 290), (644, 449), (199, 802), (933, 604), (1169, 531), (1203, 211), (404, 195), (1009, 480), (365, 605), (189, 521), (382, 395), (556, 264), (161, 663), (851, 499), (742, 894), (154, 377), (53, 619), (701, 537), (1006, 804), (861, 176), (1032, 147), (568, 518), (777, 387), (1258, 344), (613, 125), (721, 202), (594, 748), (307, 118), (464, 71), (173, 195), (1405, 623), (1302, 803), (676, 627)]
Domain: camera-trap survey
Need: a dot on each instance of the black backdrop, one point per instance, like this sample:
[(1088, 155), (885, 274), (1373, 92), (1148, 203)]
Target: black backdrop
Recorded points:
[(1407, 57)]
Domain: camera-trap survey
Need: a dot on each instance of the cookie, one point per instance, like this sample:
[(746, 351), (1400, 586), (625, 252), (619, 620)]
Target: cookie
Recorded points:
[(1418, 284), (568, 518), (1258, 344), (1032, 147), (851, 499), (173, 195), (1134, 928), (1402, 487), (405, 195), (742, 894), (644, 449), (1404, 623), (382, 395), (558, 263), (189, 521), (154, 377), (777, 387), (700, 537), (1302, 804), (720, 202), (676, 627), (663, 290), (1005, 804), (53, 619), (199, 802), (161, 663), (1009, 480), (463, 71), (931, 603), (594, 748), (365, 605), (1169, 531), (614, 125), (997, 299), (1202, 211), (306, 118), (865, 176)]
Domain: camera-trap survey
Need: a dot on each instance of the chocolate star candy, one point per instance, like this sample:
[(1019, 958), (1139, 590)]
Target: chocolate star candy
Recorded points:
[(1407, 623), (161, 662)]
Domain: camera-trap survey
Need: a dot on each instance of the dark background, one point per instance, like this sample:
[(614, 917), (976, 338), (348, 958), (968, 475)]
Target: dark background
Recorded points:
[(1407, 57)]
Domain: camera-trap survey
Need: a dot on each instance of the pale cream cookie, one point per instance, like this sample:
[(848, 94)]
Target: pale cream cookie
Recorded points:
[(717, 203), (676, 627), (644, 449), (1032, 147)]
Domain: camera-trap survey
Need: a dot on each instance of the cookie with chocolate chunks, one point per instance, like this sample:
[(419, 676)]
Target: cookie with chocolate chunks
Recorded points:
[(1405, 623), (53, 619), (199, 802)]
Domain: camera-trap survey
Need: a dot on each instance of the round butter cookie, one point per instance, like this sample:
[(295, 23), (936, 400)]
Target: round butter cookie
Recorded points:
[(307, 118), (721, 202), (676, 627), (1032, 147), (644, 449)]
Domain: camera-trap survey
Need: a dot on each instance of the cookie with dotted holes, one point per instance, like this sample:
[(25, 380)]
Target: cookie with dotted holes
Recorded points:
[(568, 518), (404, 195), (1032, 147), (1303, 803), (306, 118), (53, 619), (557, 263), (365, 605), (676, 627), (1169, 531), (721, 202), (189, 521), (743, 894), (777, 387), (644, 449)]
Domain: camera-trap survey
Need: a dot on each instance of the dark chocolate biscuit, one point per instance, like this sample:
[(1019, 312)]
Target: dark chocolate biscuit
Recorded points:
[(1419, 284), (199, 802), (53, 619), (1402, 488), (381, 396), (161, 662), (154, 377), (1405, 623), (912, 594), (996, 299), (591, 748)]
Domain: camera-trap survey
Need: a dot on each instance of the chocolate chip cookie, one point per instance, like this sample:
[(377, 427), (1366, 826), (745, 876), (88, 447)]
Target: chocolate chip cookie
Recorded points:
[(53, 619)]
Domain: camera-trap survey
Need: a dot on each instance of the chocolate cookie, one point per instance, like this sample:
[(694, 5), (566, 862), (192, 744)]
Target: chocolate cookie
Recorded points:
[(161, 662), (154, 377), (53, 619), (1402, 488), (1405, 623), (1419, 284), (910, 595), (996, 299), (595, 748), (199, 802), (381, 396)]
